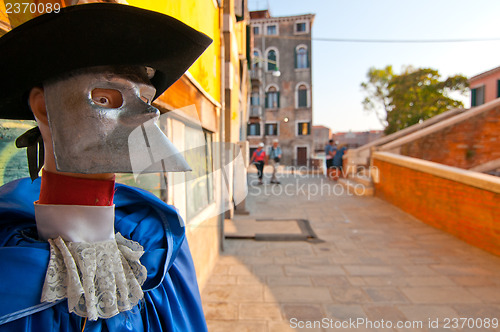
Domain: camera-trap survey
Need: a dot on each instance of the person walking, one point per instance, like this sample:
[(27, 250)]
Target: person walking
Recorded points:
[(330, 151), (274, 156), (258, 158), (338, 159)]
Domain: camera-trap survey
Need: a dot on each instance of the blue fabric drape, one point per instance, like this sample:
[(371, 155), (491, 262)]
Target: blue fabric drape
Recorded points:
[(171, 301)]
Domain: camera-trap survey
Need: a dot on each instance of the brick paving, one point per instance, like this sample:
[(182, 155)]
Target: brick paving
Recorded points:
[(374, 262)]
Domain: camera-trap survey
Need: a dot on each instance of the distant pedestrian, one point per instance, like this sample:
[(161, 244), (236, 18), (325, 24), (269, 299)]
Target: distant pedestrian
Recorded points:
[(330, 151), (258, 159), (274, 155), (338, 158)]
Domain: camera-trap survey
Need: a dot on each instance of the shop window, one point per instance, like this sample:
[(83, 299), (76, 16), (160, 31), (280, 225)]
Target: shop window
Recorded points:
[(199, 182)]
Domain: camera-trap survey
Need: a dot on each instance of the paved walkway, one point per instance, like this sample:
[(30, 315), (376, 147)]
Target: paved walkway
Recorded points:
[(374, 263)]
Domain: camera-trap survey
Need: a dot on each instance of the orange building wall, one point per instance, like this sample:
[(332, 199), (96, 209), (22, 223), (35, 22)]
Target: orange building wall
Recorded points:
[(465, 144), (471, 214)]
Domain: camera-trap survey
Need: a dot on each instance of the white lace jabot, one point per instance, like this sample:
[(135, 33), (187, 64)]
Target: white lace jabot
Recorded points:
[(100, 274)]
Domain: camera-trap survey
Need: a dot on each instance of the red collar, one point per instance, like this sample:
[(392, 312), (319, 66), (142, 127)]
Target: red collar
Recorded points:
[(68, 190)]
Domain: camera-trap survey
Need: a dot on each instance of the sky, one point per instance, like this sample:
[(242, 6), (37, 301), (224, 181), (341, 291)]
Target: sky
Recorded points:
[(338, 68)]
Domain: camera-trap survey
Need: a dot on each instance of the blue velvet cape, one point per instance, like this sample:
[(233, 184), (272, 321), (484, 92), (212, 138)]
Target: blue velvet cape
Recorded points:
[(171, 296)]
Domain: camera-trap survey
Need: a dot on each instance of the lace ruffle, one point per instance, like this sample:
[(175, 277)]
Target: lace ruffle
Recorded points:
[(99, 279)]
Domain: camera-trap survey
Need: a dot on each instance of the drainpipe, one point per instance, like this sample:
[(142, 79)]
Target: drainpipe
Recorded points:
[(222, 114)]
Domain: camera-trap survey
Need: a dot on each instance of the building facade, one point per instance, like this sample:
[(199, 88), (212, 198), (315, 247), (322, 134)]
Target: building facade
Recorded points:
[(281, 93), (356, 139), (485, 87), (321, 136)]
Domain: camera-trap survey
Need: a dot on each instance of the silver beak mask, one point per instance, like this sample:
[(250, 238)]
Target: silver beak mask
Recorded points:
[(90, 138)]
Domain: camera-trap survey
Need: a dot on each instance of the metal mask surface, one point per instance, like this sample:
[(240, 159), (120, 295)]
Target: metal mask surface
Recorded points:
[(90, 138)]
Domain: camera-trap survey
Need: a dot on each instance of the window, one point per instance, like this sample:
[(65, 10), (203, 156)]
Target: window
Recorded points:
[(272, 98), (199, 182), (271, 30), (301, 27), (477, 96), (498, 89), (301, 57), (272, 63), (303, 128), (302, 96), (256, 31), (253, 129), (272, 129)]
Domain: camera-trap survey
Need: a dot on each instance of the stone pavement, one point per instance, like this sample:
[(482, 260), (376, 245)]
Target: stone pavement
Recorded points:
[(375, 263)]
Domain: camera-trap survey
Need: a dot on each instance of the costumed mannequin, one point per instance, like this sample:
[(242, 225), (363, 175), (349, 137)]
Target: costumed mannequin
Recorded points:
[(78, 252)]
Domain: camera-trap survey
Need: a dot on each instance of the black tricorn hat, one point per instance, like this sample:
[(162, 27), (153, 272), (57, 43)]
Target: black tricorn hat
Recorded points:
[(97, 34)]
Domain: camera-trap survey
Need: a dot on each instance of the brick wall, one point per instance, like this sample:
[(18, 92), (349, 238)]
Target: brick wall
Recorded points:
[(468, 212), (466, 144)]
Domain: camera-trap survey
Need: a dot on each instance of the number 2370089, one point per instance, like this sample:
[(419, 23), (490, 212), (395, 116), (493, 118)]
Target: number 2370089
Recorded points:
[(31, 8)]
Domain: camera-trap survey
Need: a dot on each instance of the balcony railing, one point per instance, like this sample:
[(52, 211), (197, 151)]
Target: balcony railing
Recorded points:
[(256, 74), (255, 111)]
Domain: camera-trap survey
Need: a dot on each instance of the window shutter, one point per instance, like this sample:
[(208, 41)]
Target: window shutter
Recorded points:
[(302, 97), (473, 97), (248, 37), (295, 57), (498, 88), (308, 56), (278, 97), (266, 106)]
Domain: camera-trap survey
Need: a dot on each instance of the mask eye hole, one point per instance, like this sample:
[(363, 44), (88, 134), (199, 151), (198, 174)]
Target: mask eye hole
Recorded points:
[(108, 98)]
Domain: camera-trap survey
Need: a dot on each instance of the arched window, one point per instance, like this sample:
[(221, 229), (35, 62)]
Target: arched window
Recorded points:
[(302, 96), (301, 57), (272, 62), (272, 98)]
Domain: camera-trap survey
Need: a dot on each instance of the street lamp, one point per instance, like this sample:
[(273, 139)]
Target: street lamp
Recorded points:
[(275, 72)]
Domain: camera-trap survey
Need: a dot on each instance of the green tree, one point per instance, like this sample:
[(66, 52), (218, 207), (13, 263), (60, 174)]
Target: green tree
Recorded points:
[(377, 91), (410, 97)]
